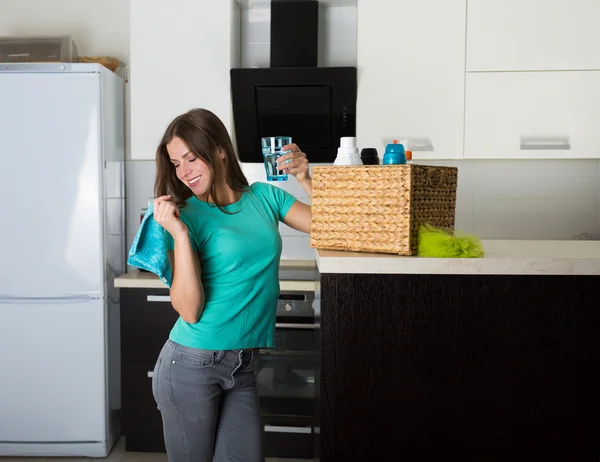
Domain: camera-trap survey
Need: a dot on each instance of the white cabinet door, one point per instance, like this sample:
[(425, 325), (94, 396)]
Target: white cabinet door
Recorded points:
[(506, 35), (411, 70), (180, 59), (533, 115)]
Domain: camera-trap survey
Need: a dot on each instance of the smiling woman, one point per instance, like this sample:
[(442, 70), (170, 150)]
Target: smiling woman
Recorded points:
[(224, 247), (197, 134)]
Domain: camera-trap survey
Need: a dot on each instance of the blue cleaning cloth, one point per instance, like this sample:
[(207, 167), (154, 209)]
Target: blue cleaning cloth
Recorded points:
[(149, 250)]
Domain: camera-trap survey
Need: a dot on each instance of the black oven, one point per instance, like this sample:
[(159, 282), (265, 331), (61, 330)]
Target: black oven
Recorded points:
[(287, 379)]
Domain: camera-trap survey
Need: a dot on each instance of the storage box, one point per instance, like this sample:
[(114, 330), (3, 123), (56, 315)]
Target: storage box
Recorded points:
[(379, 208), (43, 49)]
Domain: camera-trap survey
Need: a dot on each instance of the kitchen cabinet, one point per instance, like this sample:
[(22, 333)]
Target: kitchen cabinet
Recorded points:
[(492, 359), (518, 35), (411, 71), (289, 407), (532, 115), (181, 55), (146, 320), (142, 422)]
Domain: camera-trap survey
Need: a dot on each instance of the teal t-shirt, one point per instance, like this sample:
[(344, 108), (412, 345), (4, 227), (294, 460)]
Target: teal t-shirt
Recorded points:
[(239, 264)]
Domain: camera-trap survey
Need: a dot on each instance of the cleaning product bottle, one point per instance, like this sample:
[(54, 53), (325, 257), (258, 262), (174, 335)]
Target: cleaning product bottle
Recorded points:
[(394, 154), (407, 149), (369, 156), (347, 153)]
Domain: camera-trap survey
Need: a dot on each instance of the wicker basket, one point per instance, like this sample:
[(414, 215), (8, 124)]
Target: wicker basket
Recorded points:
[(379, 208), (107, 61)]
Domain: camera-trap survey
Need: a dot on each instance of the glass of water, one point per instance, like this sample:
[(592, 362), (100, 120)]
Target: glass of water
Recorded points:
[(272, 150)]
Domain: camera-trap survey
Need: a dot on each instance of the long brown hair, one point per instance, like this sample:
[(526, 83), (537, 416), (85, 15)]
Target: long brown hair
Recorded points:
[(205, 135)]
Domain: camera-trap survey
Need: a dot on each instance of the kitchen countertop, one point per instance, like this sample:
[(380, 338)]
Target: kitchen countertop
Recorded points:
[(508, 257), (294, 275)]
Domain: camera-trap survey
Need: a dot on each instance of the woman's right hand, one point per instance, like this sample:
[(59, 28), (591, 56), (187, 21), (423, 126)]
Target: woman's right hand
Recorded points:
[(166, 214)]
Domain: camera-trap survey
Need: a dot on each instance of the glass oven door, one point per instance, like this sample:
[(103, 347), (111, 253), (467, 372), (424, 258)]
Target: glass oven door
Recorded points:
[(286, 379)]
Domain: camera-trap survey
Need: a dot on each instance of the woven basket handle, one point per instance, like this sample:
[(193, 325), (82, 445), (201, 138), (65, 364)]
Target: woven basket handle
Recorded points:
[(436, 177)]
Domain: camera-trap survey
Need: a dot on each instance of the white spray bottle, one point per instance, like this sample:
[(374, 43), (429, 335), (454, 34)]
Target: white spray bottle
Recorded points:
[(347, 153)]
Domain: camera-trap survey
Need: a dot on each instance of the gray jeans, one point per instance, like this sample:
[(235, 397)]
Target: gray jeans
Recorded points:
[(209, 404)]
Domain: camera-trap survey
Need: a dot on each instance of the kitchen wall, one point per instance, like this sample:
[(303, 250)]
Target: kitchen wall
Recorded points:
[(546, 199), (337, 47), (98, 27), (527, 199), (337, 36)]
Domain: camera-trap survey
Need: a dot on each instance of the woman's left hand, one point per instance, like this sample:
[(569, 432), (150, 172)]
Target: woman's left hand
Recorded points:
[(295, 163)]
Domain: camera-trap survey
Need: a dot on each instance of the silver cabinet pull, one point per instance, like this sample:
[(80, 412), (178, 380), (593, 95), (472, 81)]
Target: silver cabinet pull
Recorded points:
[(150, 374), (282, 429), (421, 144), (158, 298), (543, 144), (289, 325)]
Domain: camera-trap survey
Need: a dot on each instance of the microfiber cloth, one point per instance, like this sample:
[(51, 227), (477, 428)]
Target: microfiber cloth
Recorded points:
[(149, 250)]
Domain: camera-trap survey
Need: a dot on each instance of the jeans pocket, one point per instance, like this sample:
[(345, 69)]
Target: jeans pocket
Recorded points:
[(249, 358), (194, 361), (155, 378)]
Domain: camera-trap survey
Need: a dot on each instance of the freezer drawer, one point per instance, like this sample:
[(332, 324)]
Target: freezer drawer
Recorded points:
[(52, 358)]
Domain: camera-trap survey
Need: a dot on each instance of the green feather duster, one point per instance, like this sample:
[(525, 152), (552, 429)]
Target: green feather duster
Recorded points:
[(443, 243)]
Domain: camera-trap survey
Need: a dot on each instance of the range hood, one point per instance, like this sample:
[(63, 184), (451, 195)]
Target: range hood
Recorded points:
[(294, 33), (315, 106)]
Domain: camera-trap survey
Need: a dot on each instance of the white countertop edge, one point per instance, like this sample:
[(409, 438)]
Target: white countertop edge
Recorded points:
[(139, 284), (157, 284), (138, 280), (297, 264), (297, 286), (502, 258)]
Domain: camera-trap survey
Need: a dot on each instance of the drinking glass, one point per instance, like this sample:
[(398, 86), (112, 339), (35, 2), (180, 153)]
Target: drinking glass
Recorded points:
[(272, 150)]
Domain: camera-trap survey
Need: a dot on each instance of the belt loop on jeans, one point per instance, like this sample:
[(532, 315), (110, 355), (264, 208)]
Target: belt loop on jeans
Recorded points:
[(218, 355)]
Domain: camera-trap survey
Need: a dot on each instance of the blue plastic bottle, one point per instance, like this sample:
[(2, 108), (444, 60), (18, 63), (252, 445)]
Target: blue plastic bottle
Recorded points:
[(394, 154)]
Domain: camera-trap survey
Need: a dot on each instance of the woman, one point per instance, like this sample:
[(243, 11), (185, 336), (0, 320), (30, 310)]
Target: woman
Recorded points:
[(225, 259)]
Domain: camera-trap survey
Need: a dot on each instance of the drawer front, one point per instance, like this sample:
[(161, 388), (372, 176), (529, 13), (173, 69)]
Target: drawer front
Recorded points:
[(286, 438), (142, 422), (146, 321), (506, 35), (532, 115)]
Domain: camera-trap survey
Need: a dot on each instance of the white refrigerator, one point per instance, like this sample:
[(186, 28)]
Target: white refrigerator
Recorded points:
[(61, 246)]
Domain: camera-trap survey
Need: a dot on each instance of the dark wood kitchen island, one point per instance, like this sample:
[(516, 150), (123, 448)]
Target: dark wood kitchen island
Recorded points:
[(492, 359)]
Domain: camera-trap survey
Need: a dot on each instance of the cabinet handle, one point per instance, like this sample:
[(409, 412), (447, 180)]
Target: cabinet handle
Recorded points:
[(289, 325), (543, 144), (150, 374), (158, 298), (421, 144), (282, 429)]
